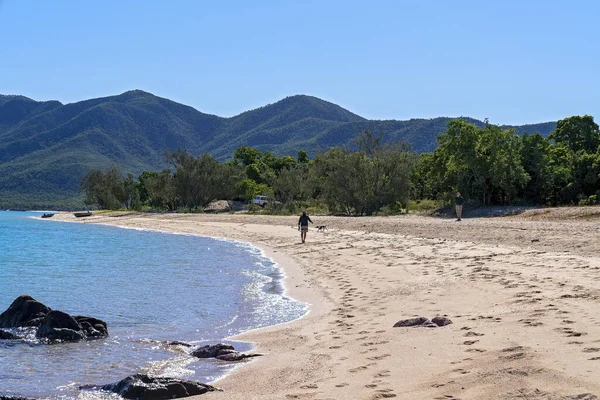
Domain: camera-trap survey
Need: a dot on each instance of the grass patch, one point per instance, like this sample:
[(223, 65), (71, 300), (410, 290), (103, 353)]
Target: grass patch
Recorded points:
[(424, 206)]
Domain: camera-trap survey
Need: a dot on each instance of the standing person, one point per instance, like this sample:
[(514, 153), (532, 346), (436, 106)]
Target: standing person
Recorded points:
[(459, 205), (303, 225)]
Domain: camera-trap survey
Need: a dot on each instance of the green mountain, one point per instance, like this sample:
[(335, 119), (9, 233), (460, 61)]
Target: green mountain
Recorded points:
[(45, 147)]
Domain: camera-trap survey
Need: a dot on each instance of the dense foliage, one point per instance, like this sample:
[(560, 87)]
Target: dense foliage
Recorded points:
[(46, 146), (491, 165), (488, 164), (349, 182)]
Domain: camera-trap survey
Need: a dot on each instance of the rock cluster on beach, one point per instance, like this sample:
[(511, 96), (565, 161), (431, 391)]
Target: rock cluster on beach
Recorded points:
[(144, 387), (51, 325), (220, 351), (423, 322)]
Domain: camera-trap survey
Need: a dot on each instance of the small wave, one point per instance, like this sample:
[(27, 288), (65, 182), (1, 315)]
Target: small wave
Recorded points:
[(171, 367)]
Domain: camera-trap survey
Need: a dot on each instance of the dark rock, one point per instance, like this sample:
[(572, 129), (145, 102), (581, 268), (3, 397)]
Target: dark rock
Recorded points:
[(92, 327), (24, 311), (176, 343), (8, 335), (417, 321), (13, 398), (212, 350), (58, 325), (144, 387), (441, 321), (235, 356), (429, 325)]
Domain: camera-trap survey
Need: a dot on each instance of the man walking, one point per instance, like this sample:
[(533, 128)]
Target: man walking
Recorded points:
[(459, 205), (303, 225)]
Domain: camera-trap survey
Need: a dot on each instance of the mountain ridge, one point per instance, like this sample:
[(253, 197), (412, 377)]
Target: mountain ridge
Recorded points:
[(45, 146)]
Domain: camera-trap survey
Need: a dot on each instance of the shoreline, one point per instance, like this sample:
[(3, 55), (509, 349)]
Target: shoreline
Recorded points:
[(265, 251), (521, 291), (290, 273)]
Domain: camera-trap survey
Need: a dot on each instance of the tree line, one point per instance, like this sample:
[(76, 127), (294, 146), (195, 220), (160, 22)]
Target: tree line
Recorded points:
[(488, 164)]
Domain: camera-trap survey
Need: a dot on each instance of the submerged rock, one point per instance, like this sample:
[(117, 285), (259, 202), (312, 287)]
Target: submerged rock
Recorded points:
[(8, 336), (92, 327), (175, 343), (212, 350), (144, 387), (235, 356), (54, 325), (58, 325), (24, 311), (223, 352)]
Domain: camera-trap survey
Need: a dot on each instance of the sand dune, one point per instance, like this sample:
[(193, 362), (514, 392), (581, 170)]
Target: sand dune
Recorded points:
[(523, 293)]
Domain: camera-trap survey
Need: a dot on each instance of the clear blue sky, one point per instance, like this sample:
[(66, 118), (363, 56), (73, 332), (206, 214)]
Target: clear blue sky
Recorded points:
[(511, 61)]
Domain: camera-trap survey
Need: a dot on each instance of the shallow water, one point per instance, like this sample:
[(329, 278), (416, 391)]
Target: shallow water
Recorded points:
[(148, 286)]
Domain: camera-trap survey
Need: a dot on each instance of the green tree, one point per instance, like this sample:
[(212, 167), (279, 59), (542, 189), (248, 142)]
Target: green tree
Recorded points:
[(246, 155), (292, 184), (559, 171), (161, 190), (197, 180), (578, 133), (360, 183), (535, 158), (247, 189), (422, 186), (105, 189), (131, 194), (482, 163), (303, 157)]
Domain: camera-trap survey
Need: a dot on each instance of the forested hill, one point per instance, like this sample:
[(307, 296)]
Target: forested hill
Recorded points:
[(45, 147)]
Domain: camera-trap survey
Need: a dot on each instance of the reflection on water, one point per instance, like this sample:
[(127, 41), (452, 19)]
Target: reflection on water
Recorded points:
[(148, 286)]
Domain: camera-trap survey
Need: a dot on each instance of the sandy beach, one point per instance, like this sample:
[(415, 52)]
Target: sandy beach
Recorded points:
[(523, 293)]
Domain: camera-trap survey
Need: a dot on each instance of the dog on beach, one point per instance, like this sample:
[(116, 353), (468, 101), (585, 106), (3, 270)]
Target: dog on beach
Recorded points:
[(322, 228)]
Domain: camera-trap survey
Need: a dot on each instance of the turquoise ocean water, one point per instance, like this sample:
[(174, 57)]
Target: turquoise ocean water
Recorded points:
[(148, 286)]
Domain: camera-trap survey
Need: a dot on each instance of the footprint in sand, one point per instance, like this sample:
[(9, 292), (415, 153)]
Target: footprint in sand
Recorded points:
[(311, 386), (377, 358), (591, 350), (514, 356), (461, 371), (384, 394), (475, 350)]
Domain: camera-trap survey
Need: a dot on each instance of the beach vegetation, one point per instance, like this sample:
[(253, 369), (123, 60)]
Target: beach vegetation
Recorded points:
[(488, 164)]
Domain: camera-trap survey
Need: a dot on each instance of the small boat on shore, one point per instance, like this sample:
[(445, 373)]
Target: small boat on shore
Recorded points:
[(82, 214), (47, 215)]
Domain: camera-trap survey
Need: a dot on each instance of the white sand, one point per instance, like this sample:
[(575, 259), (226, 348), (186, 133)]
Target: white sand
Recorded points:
[(523, 292)]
